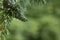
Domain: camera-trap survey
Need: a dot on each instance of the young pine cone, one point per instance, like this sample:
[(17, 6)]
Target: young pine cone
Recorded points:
[(13, 10)]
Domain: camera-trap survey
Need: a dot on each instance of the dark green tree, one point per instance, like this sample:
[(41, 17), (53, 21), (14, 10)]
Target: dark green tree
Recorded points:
[(10, 9)]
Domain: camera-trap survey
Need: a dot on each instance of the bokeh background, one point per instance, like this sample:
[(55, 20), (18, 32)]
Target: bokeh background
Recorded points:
[(43, 22)]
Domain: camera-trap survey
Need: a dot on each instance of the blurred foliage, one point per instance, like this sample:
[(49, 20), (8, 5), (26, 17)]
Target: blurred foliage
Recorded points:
[(43, 22)]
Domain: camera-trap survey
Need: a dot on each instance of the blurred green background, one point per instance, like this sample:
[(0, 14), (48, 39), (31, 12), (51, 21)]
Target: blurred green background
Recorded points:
[(43, 23)]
